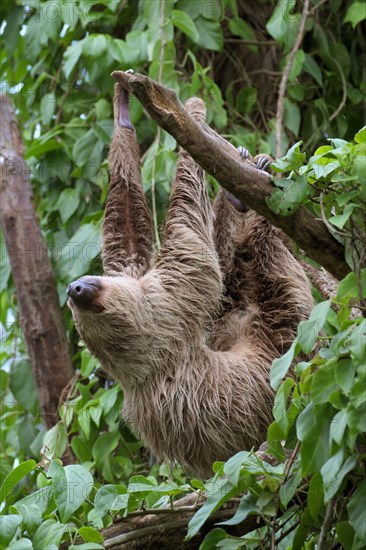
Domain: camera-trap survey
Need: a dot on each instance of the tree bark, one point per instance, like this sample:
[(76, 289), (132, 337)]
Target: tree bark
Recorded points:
[(40, 313), (220, 159)]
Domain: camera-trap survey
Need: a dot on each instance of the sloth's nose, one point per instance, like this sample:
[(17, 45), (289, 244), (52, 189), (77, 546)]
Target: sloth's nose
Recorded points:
[(84, 291)]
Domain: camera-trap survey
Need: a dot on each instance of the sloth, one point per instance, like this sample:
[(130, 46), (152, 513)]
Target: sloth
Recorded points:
[(190, 332)]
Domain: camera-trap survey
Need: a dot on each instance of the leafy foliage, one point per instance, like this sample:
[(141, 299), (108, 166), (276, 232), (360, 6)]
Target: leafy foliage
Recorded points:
[(56, 63)]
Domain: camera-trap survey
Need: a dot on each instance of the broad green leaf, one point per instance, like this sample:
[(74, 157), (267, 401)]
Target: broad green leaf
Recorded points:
[(48, 535), (77, 254), (338, 426), (71, 486), (283, 24), (94, 45), (308, 330), (315, 496), (48, 105), (281, 404), (88, 150), (15, 476), (89, 534), (297, 66), (324, 382), (40, 147), (71, 57), (31, 516), (111, 497), (346, 534), (104, 445), (360, 137), (292, 116), (224, 490), (55, 440), (281, 365), (67, 203), (21, 544), (241, 28), (184, 22), (8, 527), (210, 34), (341, 219), (233, 465), (86, 546), (247, 506), (333, 474), (41, 498), (312, 430), (312, 68), (348, 287), (357, 510), (355, 13), (213, 538)]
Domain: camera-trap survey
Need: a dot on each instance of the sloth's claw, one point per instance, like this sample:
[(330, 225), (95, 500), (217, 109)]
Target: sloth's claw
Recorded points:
[(244, 153), (263, 162)]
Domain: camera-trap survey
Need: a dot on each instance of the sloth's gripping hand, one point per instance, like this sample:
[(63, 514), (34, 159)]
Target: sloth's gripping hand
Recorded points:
[(262, 162)]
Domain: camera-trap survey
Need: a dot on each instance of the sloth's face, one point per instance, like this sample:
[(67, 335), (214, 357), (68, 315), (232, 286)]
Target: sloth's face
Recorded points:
[(108, 314)]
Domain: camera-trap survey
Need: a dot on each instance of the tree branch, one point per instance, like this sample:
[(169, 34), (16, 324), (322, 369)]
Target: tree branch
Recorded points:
[(40, 313), (220, 159)]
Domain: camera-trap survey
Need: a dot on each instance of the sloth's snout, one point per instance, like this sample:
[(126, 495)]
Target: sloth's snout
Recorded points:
[(84, 292)]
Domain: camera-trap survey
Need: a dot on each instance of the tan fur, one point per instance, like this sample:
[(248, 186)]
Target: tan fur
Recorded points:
[(192, 340)]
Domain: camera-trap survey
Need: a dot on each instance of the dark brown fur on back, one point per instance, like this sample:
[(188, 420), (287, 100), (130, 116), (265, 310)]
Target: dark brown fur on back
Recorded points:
[(192, 339)]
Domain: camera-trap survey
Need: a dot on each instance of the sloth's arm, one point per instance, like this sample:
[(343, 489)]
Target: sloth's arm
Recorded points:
[(188, 263), (127, 228)]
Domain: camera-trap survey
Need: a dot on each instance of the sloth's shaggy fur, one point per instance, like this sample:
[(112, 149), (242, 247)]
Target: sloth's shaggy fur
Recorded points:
[(192, 337)]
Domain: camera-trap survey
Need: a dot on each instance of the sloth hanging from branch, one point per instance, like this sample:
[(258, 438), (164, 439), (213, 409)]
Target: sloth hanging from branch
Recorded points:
[(191, 333)]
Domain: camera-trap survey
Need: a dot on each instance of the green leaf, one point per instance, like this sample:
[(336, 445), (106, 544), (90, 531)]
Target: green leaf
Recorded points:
[(315, 496), (292, 116), (247, 506), (308, 330), (71, 57), (40, 147), (360, 137), (348, 287), (77, 254), (48, 105), (71, 486), (88, 150), (56, 440), (297, 66), (333, 474), (224, 490), (89, 534), (312, 430), (241, 28), (213, 538), (357, 510), (86, 546), (341, 219), (104, 446), (183, 22), (15, 476), (48, 535), (281, 365), (233, 465), (111, 497), (21, 544), (94, 45), (67, 203), (281, 404), (355, 13), (8, 527), (210, 34), (31, 516), (324, 382), (338, 426), (312, 68)]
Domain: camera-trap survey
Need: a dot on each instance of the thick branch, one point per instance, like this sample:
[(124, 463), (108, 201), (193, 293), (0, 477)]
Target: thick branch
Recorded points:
[(40, 314), (220, 159)]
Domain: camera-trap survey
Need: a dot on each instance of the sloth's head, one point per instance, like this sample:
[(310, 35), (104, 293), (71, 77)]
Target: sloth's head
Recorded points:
[(108, 314)]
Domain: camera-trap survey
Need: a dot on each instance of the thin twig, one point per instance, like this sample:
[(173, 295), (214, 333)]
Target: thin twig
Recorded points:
[(344, 92), (326, 524), (285, 75), (158, 133)]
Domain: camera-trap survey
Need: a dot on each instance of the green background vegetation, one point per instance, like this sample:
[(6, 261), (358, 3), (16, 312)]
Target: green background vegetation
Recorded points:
[(56, 63)]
